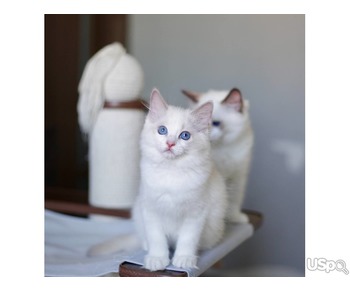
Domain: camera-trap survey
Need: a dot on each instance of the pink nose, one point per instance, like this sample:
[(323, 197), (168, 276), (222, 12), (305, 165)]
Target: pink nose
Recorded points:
[(170, 144)]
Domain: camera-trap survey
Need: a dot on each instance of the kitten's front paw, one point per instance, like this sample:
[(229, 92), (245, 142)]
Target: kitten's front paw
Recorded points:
[(238, 218), (185, 262), (154, 263)]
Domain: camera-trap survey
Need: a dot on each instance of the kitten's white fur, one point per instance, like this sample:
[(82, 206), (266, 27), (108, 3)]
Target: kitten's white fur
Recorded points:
[(232, 143), (182, 196), (182, 200)]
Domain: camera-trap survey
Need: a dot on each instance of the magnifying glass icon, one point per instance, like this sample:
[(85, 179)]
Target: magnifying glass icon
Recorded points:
[(340, 266)]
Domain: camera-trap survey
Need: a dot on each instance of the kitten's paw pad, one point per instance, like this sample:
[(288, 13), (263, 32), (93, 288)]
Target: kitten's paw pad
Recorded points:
[(238, 218), (154, 263), (185, 262)]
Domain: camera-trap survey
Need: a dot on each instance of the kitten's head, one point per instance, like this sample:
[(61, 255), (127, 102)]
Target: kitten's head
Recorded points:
[(171, 132), (229, 115)]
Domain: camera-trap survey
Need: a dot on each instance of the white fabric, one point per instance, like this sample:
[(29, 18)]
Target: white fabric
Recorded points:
[(68, 238)]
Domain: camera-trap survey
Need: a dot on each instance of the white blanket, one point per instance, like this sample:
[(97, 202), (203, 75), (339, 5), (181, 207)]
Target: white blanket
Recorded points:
[(68, 238)]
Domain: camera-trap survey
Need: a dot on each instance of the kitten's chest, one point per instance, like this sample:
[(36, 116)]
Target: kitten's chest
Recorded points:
[(173, 179), (172, 209), (172, 192)]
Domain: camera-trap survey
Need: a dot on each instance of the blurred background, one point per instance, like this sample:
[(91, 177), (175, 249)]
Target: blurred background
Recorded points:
[(262, 55)]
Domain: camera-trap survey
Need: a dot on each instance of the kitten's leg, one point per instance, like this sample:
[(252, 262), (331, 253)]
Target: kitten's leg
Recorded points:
[(235, 215), (187, 244), (157, 257), (236, 192)]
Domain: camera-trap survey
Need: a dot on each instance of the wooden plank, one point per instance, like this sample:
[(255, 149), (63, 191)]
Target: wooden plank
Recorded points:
[(132, 270), (84, 209)]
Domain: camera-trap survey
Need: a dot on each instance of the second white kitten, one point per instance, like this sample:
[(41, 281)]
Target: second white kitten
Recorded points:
[(232, 142)]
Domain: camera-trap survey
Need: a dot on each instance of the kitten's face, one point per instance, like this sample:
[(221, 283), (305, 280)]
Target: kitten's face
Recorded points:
[(228, 115), (173, 135), (171, 132)]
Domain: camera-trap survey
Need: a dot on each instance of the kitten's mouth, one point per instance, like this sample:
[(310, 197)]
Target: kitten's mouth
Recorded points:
[(215, 135), (215, 138), (169, 153)]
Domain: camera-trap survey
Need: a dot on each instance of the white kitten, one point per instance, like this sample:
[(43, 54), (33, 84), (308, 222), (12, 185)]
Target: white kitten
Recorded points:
[(232, 142), (182, 197)]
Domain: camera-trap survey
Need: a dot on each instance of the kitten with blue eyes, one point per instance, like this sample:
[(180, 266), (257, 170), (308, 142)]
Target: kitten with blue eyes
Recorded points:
[(182, 199), (232, 142)]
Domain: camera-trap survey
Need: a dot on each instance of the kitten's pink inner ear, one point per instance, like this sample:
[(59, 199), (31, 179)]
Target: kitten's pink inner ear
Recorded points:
[(234, 99), (194, 96), (203, 116), (158, 105)]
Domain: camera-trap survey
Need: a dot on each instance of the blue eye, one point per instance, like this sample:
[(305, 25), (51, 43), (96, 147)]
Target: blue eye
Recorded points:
[(185, 135), (162, 130), (216, 123)]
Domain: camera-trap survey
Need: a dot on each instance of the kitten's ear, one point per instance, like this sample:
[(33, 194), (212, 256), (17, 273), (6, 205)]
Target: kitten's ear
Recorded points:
[(234, 99), (157, 106), (202, 116), (194, 96)]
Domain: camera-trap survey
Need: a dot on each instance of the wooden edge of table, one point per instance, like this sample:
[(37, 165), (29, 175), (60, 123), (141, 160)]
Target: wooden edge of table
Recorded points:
[(84, 209), (127, 269), (255, 218)]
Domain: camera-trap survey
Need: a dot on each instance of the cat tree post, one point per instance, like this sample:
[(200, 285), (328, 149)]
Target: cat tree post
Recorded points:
[(112, 115)]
